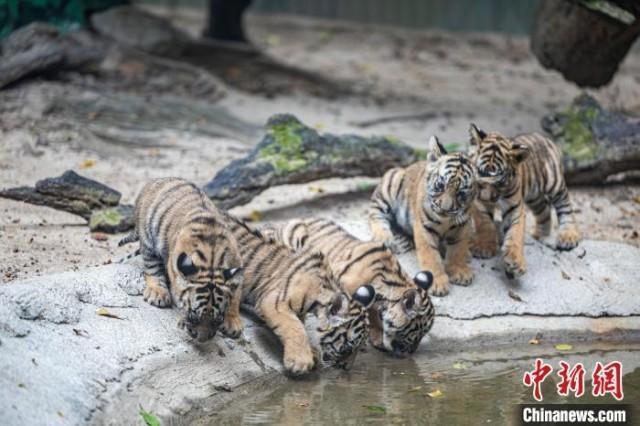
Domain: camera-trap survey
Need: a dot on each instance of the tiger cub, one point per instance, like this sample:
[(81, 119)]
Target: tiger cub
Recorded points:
[(190, 257), (283, 286), (403, 312), (428, 205), (526, 169)]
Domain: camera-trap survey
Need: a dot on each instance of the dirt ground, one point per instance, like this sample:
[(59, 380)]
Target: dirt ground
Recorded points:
[(447, 79)]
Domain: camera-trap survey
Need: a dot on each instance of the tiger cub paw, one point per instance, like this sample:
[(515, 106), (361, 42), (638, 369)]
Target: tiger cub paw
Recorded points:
[(568, 239), (299, 362), (514, 267), (440, 285), (460, 275), (484, 249), (232, 326), (156, 295)]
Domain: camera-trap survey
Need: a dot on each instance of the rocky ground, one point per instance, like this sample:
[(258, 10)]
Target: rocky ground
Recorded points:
[(420, 82), (71, 364)]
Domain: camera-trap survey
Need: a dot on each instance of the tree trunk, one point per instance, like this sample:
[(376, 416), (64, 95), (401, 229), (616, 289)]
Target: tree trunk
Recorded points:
[(584, 45), (224, 21)]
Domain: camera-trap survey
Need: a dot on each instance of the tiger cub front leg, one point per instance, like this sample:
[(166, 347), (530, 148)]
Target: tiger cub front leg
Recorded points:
[(457, 258), (156, 291), (298, 354), (568, 234), (485, 240), (429, 258), (232, 326), (513, 247)]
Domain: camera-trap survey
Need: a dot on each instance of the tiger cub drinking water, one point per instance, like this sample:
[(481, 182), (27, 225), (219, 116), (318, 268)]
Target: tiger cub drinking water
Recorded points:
[(526, 169), (191, 259), (283, 286), (403, 312), (429, 203)]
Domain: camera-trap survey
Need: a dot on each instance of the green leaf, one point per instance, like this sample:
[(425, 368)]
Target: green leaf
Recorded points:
[(149, 418), (563, 347), (376, 408), (459, 366)]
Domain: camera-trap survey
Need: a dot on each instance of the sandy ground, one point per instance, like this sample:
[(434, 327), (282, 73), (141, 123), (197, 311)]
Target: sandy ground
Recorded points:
[(449, 79)]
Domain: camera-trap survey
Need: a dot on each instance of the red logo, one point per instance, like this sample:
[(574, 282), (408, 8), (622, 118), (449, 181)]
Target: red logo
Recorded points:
[(605, 379), (536, 377), (571, 380)]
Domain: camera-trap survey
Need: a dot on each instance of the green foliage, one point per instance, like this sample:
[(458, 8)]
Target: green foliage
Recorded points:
[(64, 14), (149, 418), (452, 147)]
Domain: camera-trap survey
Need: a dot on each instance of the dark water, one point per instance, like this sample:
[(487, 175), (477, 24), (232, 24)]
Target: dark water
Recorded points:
[(477, 388)]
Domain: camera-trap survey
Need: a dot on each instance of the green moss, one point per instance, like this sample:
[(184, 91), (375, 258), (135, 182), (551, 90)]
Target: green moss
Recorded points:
[(577, 140), (421, 154), (452, 147), (392, 140), (286, 152), (109, 217)]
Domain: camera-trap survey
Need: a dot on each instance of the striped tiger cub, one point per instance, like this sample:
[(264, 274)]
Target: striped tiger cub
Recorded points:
[(191, 259), (526, 169), (283, 286), (403, 312), (428, 205)]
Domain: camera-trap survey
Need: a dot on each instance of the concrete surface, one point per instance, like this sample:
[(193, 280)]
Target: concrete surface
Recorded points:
[(65, 364)]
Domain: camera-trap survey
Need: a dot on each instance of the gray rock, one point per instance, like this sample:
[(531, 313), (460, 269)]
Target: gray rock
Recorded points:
[(597, 279)]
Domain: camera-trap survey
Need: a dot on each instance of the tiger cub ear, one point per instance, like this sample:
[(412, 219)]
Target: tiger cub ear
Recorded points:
[(476, 134), (435, 149), (423, 280), (519, 152), (337, 308), (185, 265), (365, 295), (411, 302)]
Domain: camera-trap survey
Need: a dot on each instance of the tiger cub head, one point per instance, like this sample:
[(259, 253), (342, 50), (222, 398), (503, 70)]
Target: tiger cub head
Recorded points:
[(496, 158), (402, 313), (450, 181), (407, 319), (206, 269), (343, 326)]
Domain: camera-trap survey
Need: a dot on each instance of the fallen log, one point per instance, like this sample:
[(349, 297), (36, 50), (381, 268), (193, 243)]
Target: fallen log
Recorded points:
[(40, 48), (596, 143), (291, 153), (91, 200)]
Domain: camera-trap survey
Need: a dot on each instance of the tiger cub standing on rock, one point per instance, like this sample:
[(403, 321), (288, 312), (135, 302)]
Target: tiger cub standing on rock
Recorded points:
[(283, 286), (184, 238), (403, 312), (526, 169), (429, 203)]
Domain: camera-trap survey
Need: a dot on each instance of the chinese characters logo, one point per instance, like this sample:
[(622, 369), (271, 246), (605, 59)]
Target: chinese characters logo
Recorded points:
[(605, 379)]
